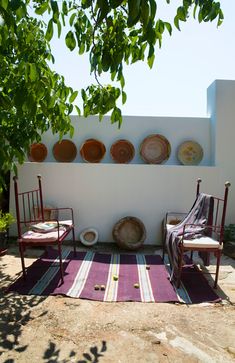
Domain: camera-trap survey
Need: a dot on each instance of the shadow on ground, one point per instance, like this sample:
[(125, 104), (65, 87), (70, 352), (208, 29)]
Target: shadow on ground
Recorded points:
[(52, 354), (16, 313)]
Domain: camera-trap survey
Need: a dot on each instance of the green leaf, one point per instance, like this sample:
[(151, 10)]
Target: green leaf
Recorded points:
[(21, 12), (41, 9), (70, 40), (159, 37), (71, 20), (33, 72), (169, 27), (151, 56), (73, 96), (106, 60), (153, 9), (176, 22), (83, 93), (71, 132), (55, 10), (49, 32), (15, 4), (200, 16), (181, 13), (194, 11), (160, 26), (221, 18), (115, 3), (4, 4), (124, 97), (65, 8), (103, 11), (78, 110), (82, 48), (151, 60), (59, 28), (145, 12), (122, 81), (133, 12)]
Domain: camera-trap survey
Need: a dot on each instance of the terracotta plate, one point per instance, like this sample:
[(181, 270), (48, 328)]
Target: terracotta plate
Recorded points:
[(190, 153), (37, 152), (122, 151), (155, 149), (92, 151), (64, 151), (129, 233)]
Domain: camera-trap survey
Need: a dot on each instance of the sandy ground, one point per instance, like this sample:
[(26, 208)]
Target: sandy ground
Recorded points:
[(59, 329)]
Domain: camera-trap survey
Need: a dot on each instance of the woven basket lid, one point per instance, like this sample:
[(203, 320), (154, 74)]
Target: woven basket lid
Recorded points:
[(155, 149), (37, 152), (92, 151), (129, 233), (64, 151), (190, 153), (122, 151)]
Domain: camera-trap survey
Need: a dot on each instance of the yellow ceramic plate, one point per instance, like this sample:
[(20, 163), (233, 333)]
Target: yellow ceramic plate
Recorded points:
[(190, 153)]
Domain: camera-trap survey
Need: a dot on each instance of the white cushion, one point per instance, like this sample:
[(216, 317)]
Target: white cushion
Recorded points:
[(202, 242), (169, 226), (31, 236)]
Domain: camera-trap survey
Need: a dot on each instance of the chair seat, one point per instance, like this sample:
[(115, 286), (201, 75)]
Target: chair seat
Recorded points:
[(202, 242), (31, 236), (45, 237)]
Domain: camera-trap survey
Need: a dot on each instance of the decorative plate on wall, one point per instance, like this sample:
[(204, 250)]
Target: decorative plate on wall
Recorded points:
[(64, 151), (155, 149), (122, 151), (190, 153), (92, 151), (129, 233), (37, 152)]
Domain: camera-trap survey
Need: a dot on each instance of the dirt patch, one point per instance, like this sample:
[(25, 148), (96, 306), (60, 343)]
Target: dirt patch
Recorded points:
[(59, 329)]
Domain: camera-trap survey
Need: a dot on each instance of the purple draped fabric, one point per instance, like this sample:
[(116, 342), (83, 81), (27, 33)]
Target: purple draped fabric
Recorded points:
[(201, 214)]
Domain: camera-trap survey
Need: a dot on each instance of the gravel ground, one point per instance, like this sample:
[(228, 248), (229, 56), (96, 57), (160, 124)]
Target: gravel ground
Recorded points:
[(59, 329)]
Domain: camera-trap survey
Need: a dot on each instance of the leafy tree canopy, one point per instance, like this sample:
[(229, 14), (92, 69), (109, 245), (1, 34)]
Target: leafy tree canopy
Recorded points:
[(34, 98)]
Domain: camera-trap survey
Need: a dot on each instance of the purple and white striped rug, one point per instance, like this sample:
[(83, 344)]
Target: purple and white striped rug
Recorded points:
[(118, 277)]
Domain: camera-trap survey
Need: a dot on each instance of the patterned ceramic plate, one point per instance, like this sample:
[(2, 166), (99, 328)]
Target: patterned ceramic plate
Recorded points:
[(122, 151), (190, 153), (155, 149), (64, 151), (37, 152), (92, 151)]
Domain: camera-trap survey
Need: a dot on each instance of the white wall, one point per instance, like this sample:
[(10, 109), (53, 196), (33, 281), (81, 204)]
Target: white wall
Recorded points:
[(103, 193)]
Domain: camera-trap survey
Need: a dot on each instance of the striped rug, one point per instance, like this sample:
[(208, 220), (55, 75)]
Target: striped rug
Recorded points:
[(112, 277)]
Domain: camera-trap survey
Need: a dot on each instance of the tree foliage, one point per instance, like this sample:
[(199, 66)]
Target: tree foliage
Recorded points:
[(34, 98)]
